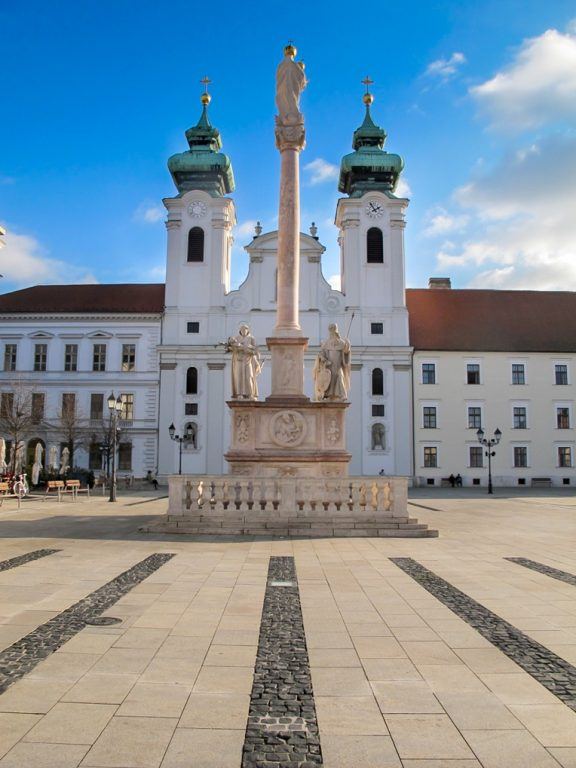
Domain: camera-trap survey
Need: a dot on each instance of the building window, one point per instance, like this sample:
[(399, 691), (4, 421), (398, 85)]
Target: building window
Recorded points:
[(96, 406), (192, 381), (376, 328), (377, 381), (10, 357), (127, 412), (476, 456), (430, 456), (520, 420), (40, 356), (428, 373), (6, 404), (99, 357), (374, 246), (564, 456), (125, 456), (520, 456), (94, 456), (68, 405), (518, 373), (561, 374), (473, 373), (429, 417), (128, 357), (71, 357), (474, 417), (193, 327), (378, 411), (196, 244), (38, 400), (563, 418), (190, 409)]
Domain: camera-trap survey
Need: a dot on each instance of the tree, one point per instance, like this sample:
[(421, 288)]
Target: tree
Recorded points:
[(72, 426), (16, 417), (103, 437)]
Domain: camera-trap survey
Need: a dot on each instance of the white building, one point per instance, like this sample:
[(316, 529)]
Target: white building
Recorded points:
[(429, 366)]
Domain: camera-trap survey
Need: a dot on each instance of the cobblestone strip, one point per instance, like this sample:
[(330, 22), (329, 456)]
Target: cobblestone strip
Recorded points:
[(555, 573), (282, 728), (553, 672), (23, 655), (29, 557)]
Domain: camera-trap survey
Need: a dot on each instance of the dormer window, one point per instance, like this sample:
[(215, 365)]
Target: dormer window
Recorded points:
[(196, 244)]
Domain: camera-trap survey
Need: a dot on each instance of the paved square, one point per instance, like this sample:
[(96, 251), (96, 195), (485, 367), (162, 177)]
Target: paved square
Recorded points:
[(408, 663)]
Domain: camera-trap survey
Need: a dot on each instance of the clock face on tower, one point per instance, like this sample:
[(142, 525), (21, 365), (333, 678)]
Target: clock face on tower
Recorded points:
[(197, 209), (374, 209)]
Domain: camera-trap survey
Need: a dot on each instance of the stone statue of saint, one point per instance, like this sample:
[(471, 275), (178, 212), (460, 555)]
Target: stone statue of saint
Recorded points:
[(290, 82), (378, 437), (332, 368), (246, 364)]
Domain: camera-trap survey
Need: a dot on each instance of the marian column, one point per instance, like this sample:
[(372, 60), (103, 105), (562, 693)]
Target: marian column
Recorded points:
[(287, 346), (287, 434)]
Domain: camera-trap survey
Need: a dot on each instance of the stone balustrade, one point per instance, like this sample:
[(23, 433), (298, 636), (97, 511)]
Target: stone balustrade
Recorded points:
[(223, 494)]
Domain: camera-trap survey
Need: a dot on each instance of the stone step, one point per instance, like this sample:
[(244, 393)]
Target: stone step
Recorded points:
[(315, 531)]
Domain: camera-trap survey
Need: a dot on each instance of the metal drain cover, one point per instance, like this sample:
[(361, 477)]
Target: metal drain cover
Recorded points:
[(103, 621), (282, 583)]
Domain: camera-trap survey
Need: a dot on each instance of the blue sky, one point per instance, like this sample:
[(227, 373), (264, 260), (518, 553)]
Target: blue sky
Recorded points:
[(478, 97)]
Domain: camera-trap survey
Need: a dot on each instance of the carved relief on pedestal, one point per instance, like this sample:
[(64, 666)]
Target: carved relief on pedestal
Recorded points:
[(288, 370), (243, 427), (332, 431), (288, 428)]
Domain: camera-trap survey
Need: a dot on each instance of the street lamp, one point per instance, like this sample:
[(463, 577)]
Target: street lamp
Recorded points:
[(114, 406), (185, 439), (489, 443)]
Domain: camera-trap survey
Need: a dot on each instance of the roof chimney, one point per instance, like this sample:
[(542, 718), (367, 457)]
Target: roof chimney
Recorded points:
[(439, 282)]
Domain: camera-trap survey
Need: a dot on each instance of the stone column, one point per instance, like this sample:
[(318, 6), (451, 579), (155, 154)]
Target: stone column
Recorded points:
[(287, 322), (287, 346)]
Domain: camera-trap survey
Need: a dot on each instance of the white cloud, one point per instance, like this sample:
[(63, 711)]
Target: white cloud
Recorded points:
[(402, 188), (25, 262), (321, 171), (440, 222), (537, 87), (522, 229), (149, 213), (446, 68), (157, 273), (335, 282), (246, 229)]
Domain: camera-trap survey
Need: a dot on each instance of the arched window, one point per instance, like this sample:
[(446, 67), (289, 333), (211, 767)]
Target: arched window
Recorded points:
[(196, 244), (192, 381), (377, 381), (374, 246)]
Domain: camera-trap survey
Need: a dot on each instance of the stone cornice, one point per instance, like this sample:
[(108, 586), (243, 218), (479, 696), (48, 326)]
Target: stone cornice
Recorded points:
[(100, 317)]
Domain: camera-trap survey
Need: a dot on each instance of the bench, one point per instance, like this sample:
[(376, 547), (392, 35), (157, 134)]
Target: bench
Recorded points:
[(73, 487), (54, 486), (4, 491), (541, 482)]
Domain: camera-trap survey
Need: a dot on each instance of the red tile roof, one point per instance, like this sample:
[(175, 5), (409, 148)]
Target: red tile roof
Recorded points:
[(492, 321), (116, 298), (440, 319)]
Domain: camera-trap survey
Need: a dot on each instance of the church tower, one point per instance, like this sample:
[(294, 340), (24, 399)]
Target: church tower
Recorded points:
[(371, 222), (199, 224)]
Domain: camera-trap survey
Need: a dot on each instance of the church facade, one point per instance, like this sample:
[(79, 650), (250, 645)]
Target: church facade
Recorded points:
[(429, 367)]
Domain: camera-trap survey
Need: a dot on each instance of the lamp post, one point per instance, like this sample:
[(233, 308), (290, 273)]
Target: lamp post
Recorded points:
[(186, 438), (489, 443), (114, 406)]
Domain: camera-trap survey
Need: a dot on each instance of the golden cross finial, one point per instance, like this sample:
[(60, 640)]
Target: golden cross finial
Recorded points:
[(367, 82), (205, 98)]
